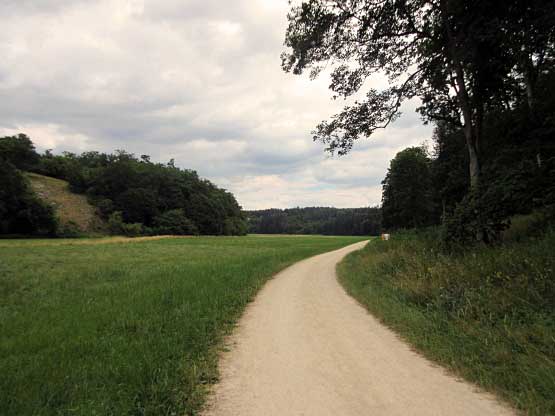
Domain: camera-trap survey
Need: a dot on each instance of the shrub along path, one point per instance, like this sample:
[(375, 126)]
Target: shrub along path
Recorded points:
[(304, 347)]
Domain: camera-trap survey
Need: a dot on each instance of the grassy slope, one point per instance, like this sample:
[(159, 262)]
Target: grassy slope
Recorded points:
[(126, 328), (70, 207), (488, 315)]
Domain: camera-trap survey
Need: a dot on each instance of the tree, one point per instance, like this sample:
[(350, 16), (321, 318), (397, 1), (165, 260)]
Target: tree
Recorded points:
[(19, 151), (407, 200), (21, 212), (532, 42), (137, 205), (450, 179), (315, 220), (455, 55), (174, 222)]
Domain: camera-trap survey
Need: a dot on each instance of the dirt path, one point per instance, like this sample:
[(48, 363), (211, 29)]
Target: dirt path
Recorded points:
[(304, 347)]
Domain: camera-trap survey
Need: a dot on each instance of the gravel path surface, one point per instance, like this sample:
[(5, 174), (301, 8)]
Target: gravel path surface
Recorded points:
[(304, 347)]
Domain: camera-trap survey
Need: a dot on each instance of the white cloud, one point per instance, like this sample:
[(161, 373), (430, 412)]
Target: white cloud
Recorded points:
[(197, 81)]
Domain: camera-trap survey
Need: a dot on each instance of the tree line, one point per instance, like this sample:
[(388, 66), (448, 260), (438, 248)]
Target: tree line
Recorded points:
[(315, 220), (483, 72), (134, 195), (424, 188)]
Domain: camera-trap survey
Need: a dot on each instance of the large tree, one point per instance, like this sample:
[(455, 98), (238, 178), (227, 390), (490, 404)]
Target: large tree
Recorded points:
[(407, 198), (455, 55), (19, 151), (21, 212), (449, 176)]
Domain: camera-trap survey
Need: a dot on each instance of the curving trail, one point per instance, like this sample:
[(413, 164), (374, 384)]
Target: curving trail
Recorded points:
[(304, 347)]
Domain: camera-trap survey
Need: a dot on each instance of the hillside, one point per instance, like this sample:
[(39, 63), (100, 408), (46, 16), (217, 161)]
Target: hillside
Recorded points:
[(70, 207)]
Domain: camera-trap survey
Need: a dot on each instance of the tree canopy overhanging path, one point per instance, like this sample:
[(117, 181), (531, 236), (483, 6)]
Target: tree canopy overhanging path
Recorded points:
[(304, 347)]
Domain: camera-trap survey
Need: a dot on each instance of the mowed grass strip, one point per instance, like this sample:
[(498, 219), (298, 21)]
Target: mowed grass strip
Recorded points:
[(127, 329), (487, 314)]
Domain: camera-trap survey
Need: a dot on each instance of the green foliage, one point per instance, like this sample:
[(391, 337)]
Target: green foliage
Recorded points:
[(94, 327), (530, 226), (449, 167), (480, 217), (141, 191), (407, 199), (518, 173), (235, 226), (485, 313), (21, 212), (117, 226), (69, 229), (19, 151), (511, 187), (174, 222), (482, 70), (137, 205), (458, 57), (315, 220), (62, 166)]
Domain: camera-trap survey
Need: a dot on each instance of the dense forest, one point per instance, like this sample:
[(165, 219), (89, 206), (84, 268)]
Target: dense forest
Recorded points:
[(424, 188), (484, 75), (315, 220), (134, 195)]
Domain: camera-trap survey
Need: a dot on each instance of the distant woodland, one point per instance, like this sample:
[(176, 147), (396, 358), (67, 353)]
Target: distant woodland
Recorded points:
[(315, 220)]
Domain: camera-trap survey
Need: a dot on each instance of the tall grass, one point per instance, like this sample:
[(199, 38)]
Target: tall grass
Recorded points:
[(127, 328), (488, 314)]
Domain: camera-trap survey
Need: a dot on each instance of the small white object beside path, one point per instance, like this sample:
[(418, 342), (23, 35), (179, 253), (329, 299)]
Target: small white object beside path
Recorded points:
[(304, 347)]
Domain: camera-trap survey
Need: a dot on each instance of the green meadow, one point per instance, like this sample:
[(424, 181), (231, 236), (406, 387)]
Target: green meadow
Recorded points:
[(127, 327)]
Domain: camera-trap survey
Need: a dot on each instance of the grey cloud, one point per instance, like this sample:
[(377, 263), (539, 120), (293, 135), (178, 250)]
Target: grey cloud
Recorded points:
[(199, 81)]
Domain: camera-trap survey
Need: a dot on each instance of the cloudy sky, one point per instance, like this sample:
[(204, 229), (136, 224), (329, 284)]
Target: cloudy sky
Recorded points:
[(194, 80)]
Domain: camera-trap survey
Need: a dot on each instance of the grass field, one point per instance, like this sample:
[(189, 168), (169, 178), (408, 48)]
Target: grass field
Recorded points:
[(487, 314), (111, 327)]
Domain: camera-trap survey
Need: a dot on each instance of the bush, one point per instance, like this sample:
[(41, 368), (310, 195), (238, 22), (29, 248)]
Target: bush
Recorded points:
[(116, 226), (21, 212), (479, 217), (174, 222), (235, 226), (104, 207), (132, 230), (69, 229), (137, 205), (534, 225)]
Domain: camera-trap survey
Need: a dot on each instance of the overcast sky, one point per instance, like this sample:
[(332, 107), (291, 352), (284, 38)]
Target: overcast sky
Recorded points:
[(194, 80)]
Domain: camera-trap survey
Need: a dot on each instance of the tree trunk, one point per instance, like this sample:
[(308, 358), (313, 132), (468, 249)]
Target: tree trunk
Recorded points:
[(530, 84), (530, 95), (530, 78), (474, 165), (472, 130)]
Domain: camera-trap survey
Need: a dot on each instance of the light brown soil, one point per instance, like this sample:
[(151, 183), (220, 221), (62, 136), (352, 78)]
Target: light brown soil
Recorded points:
[(70, 207), (304, 347)]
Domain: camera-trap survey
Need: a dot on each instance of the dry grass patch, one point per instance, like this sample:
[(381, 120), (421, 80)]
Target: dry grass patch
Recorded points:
[(70, 207)]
